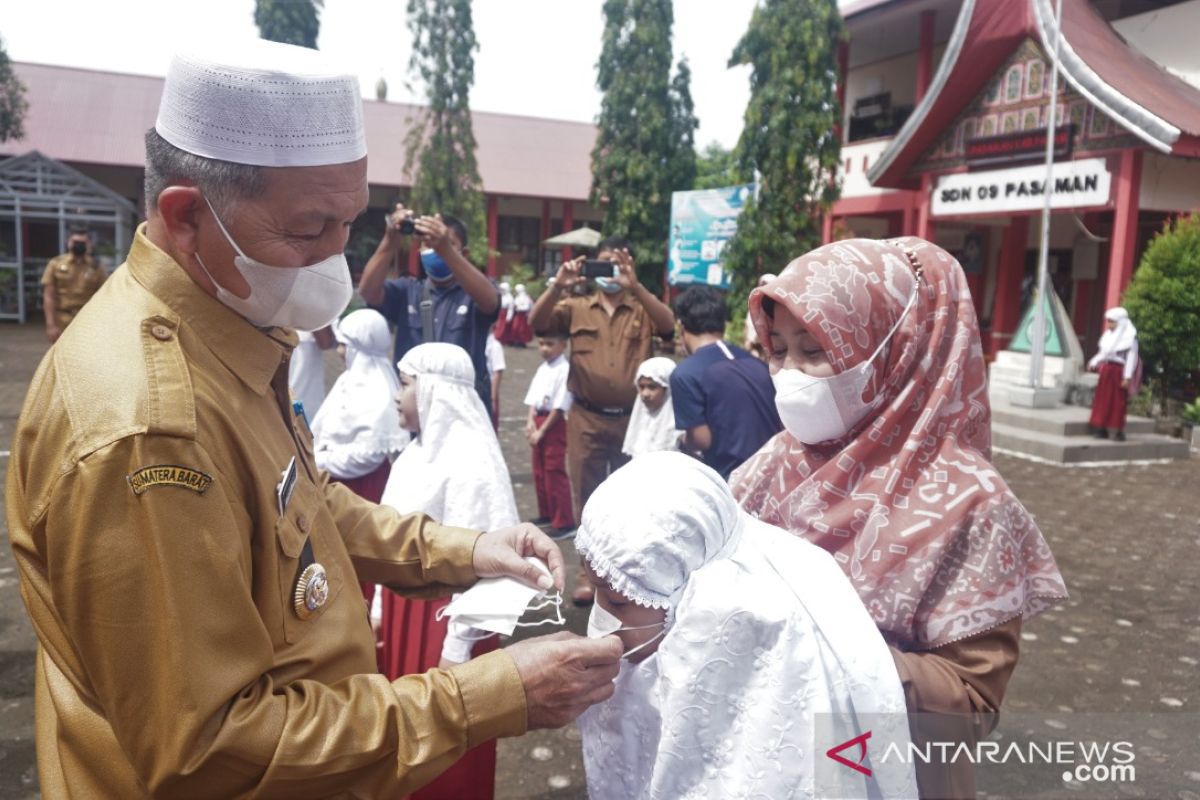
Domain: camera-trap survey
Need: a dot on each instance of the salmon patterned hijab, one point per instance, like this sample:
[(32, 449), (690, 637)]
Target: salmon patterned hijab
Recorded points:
[(908, 502)]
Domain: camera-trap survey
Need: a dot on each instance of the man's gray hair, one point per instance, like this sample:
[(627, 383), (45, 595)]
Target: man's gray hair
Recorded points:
[(223, 182)]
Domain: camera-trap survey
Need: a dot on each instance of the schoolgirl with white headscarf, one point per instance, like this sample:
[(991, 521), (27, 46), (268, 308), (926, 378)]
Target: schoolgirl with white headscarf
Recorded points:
[(1120, 374), (453, 471), (650, 431), (357, 428), (765, 657)]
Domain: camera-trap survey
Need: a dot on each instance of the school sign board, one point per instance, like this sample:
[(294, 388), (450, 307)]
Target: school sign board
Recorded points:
[(1074, 184), (702, 222)]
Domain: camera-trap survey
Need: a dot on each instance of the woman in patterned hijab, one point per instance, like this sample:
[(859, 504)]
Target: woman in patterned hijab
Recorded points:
[(885, 463)]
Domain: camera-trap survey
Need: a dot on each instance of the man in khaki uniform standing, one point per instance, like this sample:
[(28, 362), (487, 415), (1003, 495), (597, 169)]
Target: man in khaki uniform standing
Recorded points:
[(611, 333), (191, 576), (69, 281)]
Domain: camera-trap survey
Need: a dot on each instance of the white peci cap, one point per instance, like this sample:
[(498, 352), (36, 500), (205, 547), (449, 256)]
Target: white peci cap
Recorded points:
[(262, 103)]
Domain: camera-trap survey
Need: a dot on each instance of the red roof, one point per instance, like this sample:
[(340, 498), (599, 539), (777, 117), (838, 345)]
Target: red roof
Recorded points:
[(92, 117), (1138, 94)]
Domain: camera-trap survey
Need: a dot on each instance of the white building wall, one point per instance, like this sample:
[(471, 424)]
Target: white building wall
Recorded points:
[(1169, 184), (1168, 37)]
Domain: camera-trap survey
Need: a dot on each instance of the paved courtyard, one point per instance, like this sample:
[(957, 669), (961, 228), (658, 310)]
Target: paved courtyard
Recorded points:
[(1128, 642)]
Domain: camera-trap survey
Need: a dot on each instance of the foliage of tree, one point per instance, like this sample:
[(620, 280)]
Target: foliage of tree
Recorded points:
[(441, 142), (1162, 300), (289, 21), (790, 136), (12, 100), (715, 168), (646, 129)]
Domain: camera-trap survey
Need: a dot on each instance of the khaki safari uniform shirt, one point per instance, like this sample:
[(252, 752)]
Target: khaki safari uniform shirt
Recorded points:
[(160, 572), (74, 281), (605, 351)]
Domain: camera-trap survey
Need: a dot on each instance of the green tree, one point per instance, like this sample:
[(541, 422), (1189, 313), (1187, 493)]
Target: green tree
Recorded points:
[(12, 100), (1162, 300), (441, 143), (289, 21), (715, 168), (681, 163), (644, 144), (789, 139)]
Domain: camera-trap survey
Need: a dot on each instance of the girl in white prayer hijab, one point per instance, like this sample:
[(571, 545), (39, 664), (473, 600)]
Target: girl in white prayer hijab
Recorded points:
[(454, 472), (357, 431), (749, 654), (1120, 374), (652, 422)]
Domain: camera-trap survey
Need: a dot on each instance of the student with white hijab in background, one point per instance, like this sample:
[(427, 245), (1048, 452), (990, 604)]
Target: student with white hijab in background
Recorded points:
[(652, 421), (453, 471), (747, 651), (1120, 374), (357, 431)]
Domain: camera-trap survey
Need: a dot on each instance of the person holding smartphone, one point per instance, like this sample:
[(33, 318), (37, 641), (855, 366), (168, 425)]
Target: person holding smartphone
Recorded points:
[(463, 301), (611, 332)]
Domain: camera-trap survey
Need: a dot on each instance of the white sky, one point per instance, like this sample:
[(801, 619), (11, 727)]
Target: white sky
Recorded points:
[(536, 57)]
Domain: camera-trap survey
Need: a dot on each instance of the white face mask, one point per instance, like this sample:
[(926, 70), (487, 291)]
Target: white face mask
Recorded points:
[(602, 622), (303, 298), (495, 604), (818, 410)]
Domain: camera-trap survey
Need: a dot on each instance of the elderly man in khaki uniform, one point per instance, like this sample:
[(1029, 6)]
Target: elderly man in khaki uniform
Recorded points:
[(69, 281), (191, 576)]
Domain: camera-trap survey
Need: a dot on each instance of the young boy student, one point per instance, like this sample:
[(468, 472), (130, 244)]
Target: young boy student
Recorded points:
[(546, 430)]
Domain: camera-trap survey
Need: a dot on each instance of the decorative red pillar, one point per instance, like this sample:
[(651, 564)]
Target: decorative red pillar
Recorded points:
[(827, 227), (493, 233), (1009, 274), (925, 53), (1126, 202), (568, 225)]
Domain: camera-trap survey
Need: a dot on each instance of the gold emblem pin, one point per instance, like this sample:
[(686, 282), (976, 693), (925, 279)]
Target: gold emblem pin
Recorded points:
[(312, 590)]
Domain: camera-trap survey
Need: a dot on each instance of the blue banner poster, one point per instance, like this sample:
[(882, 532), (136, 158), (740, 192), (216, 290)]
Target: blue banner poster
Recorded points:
[(701, 224)]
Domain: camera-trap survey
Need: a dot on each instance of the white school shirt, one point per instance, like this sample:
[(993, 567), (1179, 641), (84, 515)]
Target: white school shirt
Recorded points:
[(493, 353), (548, 389)]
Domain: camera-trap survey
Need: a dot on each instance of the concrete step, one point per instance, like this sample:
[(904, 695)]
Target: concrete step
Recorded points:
[(1060, 421), (1083, 449)]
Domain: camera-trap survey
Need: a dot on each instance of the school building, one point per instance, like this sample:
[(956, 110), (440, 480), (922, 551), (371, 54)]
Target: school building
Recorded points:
[(946, 116), (81, 161)]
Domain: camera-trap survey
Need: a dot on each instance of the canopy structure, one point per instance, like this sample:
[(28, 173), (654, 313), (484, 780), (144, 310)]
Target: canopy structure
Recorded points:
[(580, 237), (40, 201)]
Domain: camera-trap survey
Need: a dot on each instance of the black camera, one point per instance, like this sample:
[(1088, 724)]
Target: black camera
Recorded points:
[(599, 269)]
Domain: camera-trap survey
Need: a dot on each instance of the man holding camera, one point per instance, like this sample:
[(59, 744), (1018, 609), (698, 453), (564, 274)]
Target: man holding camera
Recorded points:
[(69, 281), (611, 332), (453, 303)]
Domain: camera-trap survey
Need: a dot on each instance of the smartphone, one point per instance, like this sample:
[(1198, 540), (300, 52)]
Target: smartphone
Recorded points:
[(599, 269), (406, 226)]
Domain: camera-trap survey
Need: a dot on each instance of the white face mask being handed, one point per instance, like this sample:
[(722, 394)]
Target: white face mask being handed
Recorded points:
[(602, 622), (495, 604), (303, 298), (818, 410)]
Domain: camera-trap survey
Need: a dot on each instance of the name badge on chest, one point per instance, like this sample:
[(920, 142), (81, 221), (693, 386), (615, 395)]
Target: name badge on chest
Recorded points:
[(286, 485)]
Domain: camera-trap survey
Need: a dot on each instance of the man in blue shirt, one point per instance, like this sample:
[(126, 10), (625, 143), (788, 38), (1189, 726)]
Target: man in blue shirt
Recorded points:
[(464, 301), (723, 397)]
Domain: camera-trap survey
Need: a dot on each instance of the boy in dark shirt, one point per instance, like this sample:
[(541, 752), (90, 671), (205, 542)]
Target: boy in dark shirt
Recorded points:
[(723, 397)]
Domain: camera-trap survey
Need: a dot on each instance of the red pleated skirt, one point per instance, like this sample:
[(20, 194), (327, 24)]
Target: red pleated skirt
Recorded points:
[(1109, 404), (412, 644), (518, 331)]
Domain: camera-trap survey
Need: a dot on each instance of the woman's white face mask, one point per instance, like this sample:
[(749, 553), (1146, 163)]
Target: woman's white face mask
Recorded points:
[(818, 410), (602, 622)]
